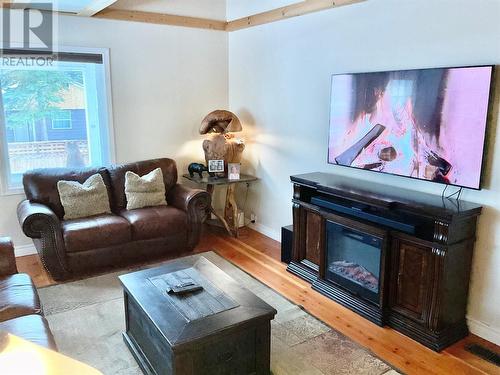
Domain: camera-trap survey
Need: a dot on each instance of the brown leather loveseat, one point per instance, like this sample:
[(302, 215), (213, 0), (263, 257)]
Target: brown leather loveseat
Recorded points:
[(69, 247), (20, 309)]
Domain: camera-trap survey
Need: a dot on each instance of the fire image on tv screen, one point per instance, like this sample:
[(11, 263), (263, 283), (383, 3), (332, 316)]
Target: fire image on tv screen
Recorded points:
[(427, 123)]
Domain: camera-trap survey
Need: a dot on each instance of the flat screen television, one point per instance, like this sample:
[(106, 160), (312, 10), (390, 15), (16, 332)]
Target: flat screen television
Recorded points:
[(428, 124)]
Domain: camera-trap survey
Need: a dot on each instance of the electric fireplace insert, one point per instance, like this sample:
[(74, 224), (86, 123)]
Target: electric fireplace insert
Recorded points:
[(354, 260)]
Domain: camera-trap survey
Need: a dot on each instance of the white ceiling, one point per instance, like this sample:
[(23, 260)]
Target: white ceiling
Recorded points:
[(211, 9), (243, 8), (69, 6), (222, 10), (73, 6)]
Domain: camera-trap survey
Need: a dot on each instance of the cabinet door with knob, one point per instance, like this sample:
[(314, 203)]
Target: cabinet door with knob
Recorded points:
[(411, 279)]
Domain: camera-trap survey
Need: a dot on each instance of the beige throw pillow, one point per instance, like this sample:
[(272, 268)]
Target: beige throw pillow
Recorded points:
[(145, 191), (83, 200)]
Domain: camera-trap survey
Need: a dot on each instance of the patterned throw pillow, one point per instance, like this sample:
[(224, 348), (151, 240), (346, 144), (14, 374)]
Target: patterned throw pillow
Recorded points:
[(83, 200), (145, 191)]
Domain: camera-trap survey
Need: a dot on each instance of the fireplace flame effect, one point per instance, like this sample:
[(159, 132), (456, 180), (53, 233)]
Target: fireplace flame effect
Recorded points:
[(356, 273), (414, 149)]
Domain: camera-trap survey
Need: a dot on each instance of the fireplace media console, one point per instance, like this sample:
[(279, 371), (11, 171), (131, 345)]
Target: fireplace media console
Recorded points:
[(394, 256)]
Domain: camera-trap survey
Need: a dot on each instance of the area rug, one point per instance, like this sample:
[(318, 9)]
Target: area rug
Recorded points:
[(87, 320)]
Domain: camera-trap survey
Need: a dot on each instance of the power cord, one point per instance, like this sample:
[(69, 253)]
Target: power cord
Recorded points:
[(456, 194)]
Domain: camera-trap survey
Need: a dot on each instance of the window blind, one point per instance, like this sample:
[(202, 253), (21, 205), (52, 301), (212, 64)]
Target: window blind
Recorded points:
[(93, 58)]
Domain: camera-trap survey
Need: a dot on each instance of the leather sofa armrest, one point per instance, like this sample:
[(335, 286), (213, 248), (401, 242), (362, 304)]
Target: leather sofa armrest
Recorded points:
[(36, 218), (7, 257), (196, 203), (41, 224), (193, 201)]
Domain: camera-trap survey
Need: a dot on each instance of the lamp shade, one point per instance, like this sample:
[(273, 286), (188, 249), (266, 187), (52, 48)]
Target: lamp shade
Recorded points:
[(220, 121)]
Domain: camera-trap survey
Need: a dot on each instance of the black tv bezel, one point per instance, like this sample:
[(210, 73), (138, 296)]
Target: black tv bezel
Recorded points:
[(486, 130)]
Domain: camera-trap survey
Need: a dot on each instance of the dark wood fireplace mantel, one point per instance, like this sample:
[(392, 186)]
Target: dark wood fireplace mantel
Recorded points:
[(426, 244)]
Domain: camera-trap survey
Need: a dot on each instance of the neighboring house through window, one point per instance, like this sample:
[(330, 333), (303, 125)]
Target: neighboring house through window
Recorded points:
[(54, 116)]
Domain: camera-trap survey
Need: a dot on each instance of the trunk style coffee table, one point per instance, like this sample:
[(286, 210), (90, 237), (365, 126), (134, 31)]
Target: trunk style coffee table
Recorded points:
[(221, 329)]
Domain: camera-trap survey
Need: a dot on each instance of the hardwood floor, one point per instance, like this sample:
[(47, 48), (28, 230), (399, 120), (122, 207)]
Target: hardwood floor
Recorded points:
[(259, 256)]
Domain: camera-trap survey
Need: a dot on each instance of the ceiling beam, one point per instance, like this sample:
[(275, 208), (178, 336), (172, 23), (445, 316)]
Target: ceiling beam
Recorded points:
[(159, 18), (95, 6), (101, 9), (293, 10)]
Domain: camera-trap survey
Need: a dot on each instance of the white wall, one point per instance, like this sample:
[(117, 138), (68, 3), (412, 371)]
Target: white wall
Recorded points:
[(165, 79), (279, 82)]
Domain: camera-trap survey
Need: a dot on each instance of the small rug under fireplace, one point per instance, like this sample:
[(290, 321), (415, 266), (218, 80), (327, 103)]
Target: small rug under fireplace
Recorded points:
[(87, 320)]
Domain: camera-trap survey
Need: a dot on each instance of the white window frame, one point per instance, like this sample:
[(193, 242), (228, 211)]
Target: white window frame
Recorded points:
[(4, 161)]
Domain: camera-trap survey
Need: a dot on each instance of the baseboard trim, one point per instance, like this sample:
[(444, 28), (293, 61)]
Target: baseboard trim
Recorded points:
[(23, 250), (266, 231), (483, 330)]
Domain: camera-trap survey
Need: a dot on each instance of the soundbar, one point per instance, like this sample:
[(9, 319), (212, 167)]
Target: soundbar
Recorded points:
[(360, 213)]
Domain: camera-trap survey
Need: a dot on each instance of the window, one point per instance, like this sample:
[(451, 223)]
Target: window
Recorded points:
[(61, 120), (53, 115)]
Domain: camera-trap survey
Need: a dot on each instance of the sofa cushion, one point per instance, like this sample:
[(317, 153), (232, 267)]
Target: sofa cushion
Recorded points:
[(145, 191), (18, 297), (83, 200), (95, 232), (40, 185), (34, 328), (117, 175), (155, 222)]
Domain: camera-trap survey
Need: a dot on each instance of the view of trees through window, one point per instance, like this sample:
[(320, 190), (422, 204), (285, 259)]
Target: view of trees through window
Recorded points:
[(52, 118)]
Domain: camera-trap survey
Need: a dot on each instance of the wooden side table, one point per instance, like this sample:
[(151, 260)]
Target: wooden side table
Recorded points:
[(230, 217)]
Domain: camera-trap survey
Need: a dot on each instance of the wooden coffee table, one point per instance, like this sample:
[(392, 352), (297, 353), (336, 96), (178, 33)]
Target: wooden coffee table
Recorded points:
[(222, 329)]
